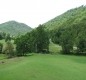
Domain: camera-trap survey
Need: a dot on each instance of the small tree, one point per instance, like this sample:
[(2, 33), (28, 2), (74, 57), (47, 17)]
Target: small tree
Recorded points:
[(21, 45), (1, 45), (8, 49)]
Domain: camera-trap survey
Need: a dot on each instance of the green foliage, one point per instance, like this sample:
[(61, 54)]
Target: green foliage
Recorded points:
[(74, 35), (35, 41), (69, 30), (7, 38), (55, 35), (42, 39), (71, 17), (66, 41), (81, 46), (2, 35), (1, 45), (21, 45), (64, 38), (81, 37), (8, 49)]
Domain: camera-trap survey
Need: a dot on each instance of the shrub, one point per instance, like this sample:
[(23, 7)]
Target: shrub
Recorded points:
[(1, 45), (8, 49)]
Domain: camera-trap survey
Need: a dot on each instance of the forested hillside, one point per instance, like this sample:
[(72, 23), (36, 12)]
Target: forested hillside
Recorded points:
[(70, 17), (14, 28), (70, 30)]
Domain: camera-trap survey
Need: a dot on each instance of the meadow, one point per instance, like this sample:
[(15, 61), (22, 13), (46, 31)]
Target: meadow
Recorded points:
[(43, 66)]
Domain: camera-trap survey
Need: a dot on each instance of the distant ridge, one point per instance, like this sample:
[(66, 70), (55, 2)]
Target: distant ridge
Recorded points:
[(14, 28)]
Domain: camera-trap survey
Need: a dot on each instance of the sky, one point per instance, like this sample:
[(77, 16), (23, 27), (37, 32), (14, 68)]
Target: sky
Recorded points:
[(35, 12)]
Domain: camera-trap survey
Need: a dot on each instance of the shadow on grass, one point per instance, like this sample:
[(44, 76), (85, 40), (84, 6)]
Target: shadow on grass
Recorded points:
[(73, 53), (28, 55)]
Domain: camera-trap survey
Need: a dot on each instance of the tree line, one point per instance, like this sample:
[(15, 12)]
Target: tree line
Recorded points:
[(71, 38), (35, 41)]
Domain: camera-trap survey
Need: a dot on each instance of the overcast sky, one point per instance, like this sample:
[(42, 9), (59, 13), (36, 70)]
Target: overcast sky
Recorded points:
[(35, 12)]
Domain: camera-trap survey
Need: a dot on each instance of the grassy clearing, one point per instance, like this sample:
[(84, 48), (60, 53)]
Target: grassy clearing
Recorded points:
[(54, 49), (44, 67)]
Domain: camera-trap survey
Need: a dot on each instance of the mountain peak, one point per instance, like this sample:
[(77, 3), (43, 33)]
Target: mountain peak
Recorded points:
[(14, 28)]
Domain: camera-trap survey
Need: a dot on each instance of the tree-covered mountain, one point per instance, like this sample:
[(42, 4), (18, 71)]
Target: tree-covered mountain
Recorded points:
[(14, 28), (69, 30), (70, 17)]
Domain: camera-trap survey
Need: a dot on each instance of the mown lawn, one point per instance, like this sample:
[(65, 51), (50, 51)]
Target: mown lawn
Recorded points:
[(44, 67), (53, 66)]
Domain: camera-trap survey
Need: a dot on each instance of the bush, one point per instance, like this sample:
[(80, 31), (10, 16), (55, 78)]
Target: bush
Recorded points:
[(8, 49), (1, 45)]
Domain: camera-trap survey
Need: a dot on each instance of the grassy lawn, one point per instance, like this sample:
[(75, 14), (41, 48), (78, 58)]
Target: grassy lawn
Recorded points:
[(2, 56), (44, 67)]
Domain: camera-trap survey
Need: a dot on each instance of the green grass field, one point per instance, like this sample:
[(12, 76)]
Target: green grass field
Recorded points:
[(44, 67), (53, 66)]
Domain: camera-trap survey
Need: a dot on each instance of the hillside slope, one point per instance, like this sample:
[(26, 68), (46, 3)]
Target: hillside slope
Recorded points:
[(14, 28), (70, 17)]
